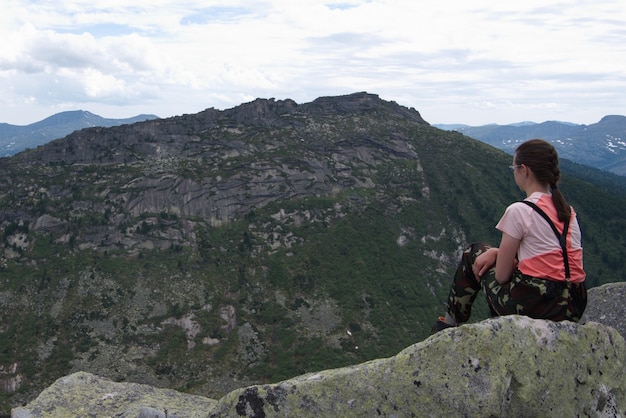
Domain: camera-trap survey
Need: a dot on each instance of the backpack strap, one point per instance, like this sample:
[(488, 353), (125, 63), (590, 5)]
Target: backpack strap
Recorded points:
[(562, 237)]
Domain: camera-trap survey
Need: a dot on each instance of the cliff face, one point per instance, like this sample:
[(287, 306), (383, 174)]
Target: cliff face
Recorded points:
[(508, 366), (214, 165)]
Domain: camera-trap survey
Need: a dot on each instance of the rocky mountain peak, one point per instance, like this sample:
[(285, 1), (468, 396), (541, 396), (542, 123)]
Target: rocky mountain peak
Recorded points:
[(619, 118)]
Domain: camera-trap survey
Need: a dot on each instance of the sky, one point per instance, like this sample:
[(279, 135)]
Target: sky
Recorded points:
[(473, 62)]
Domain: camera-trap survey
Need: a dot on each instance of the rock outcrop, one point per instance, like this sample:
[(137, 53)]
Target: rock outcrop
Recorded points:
[(84, 394), (508, 366), (505, 367), (606, 306)]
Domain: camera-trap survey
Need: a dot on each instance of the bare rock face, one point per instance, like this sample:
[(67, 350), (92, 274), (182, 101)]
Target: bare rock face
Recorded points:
[(83, 394), (214, 165), (606, 306), (508, 366)]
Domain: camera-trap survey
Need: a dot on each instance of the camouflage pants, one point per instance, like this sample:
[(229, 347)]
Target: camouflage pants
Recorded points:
[(521, 295)]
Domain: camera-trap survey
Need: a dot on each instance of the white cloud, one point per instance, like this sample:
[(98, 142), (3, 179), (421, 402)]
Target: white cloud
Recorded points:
[(455, 61)]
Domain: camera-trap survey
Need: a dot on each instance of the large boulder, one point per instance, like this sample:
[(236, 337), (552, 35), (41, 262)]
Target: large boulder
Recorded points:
[(606, 306), (512, 366), (86, 395), (502, 367)]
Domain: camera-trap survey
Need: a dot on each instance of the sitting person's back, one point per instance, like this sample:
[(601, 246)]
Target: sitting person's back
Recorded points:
[(538, 269)]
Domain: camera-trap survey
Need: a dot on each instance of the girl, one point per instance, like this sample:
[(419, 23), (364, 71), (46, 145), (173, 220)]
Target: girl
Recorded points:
[(533, 272)]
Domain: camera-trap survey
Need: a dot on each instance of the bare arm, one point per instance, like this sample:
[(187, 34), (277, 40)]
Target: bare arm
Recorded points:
[(506, 259)]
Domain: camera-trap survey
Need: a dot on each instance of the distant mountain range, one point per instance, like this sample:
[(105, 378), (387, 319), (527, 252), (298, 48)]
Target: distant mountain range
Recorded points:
[(16, 138), (600, 145)]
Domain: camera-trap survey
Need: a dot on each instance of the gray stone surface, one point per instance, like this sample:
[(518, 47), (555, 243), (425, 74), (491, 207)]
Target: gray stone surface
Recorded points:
[(86, 395), (607, 305), (506, 367)]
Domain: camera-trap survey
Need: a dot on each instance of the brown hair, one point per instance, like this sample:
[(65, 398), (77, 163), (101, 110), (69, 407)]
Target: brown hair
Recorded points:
[(541, 157)]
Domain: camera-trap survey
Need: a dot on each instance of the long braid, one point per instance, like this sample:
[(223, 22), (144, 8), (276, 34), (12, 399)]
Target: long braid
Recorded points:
[(563, 209), (543, 159)]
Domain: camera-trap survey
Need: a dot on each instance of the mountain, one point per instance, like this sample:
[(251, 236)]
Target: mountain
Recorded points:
[(14, 138), (211, 251), (601, 145)]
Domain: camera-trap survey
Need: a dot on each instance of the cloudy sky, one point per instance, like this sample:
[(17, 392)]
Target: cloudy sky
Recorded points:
[(455, 61)]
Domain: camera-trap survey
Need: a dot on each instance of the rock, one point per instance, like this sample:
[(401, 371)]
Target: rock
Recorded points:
[(510, 366), (606, 306), (507, 366), (83, 394)]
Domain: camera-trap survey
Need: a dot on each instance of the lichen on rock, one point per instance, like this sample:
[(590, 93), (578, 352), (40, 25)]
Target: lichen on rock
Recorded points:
[(84, 394), (509, 366)]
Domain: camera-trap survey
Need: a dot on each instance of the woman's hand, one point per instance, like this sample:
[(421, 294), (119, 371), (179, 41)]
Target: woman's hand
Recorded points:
[(484, 262)]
